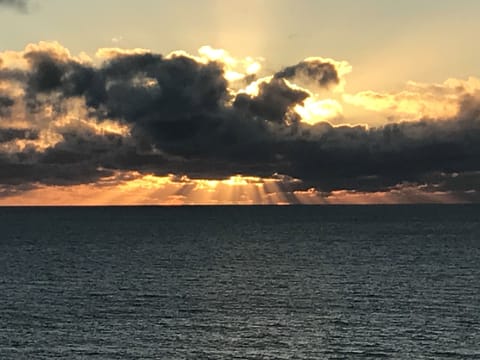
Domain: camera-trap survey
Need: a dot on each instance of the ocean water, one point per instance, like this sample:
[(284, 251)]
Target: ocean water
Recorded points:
[(299, 282)]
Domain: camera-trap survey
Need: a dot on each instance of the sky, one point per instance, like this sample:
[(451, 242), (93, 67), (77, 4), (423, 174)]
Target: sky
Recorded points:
[(239, 102)]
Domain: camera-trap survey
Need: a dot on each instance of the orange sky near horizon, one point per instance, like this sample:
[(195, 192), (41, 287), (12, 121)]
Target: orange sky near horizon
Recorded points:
[(237, 190)]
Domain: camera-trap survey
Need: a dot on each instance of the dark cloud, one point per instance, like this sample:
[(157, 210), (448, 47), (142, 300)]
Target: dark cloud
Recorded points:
[(47, 73), (12, 75), (169, 100), (184, 120), (51, 74), (11, 190), (274, 102), (75, 160), (468, 182), (322, 73), (372, 159), (5, 105), (20, 5), (9, 134), (14, 173), (6, 101), (82, 146)]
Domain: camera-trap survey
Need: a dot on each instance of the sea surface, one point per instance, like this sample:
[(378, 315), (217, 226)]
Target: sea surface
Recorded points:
[(294, 282)]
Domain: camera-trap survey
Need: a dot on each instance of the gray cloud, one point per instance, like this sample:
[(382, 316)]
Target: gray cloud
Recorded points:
[(274, 101), (184, 120), (5, 105), (20, 5), (9, 134), (322, 73)]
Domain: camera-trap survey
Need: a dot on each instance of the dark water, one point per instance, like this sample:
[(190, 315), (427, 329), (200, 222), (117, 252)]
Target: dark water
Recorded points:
[(240, 283)]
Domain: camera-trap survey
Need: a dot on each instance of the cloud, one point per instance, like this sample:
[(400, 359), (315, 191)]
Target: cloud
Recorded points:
[(417, 100), (274, 102), (322, 73), (108, 53), (117, 39), (20, 5), (179, 114), (9, 134), (5, 105), (364, 159)]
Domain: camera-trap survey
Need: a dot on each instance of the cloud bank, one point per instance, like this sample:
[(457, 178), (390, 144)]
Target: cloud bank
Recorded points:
[(66, 121)]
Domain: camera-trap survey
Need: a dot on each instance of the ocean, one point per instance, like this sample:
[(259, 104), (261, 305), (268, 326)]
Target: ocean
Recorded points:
[(233, 282)]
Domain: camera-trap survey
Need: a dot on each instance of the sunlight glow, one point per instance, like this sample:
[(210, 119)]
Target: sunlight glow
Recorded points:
[(313, 112), (108, 53), (217, 55), (235, 69), (253, 88), (133, 188)]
